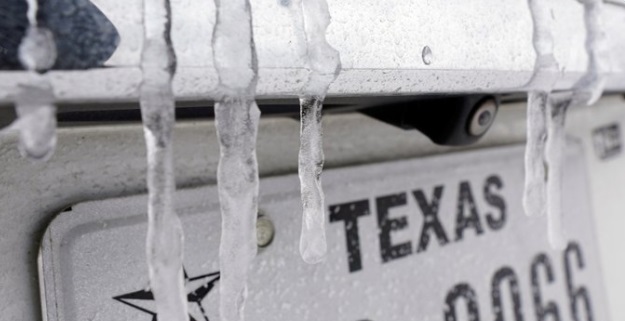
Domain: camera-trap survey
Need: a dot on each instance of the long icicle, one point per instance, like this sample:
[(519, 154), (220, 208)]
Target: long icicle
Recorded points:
[(237, 117), (534, 193), (586, 91), (34, 102), (554, 149), (541, 83), (164, 244), (324, 63)]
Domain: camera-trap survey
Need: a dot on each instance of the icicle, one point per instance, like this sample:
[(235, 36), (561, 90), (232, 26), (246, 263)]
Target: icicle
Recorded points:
[(34, 105), (311, 18), (164, 238), (554, 149), (586, 91), (541, 83), (535, 176), (313, 245), (590, 87), (237, 116), (36, 120)]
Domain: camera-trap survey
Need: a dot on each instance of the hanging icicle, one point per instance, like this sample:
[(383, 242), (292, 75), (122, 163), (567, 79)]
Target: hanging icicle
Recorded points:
[(313, 245), (542, 106), (541, 83), (237, 116), (585, 92), (165, 237), (554, 150), (535, 175), (34, 102), (311, 18), (590, 87)]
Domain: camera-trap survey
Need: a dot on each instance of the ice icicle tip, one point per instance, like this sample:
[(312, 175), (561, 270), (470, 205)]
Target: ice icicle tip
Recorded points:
[(36, 121)]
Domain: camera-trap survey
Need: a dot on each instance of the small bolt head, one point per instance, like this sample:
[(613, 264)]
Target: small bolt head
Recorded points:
[(426, 55), (264, 231)]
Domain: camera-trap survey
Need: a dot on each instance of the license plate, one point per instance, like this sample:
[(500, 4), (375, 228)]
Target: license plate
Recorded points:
[(440, 238)]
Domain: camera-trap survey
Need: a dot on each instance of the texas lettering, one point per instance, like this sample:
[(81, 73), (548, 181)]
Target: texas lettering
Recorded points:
[(468, 218)]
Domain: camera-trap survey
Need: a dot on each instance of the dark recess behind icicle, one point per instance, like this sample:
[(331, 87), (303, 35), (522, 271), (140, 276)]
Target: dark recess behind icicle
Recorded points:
[(443, 118)]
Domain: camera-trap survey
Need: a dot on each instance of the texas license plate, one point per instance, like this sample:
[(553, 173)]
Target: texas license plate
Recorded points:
[(440, 238)]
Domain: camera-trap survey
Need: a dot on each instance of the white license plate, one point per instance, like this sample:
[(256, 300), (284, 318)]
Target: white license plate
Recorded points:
[(441, 238)]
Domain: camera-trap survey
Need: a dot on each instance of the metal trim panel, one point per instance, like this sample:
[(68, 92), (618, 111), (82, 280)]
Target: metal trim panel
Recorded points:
[(478, 46)]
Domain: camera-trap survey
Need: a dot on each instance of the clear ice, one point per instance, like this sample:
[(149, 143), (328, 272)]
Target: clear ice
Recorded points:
[(237, 117), (164, 244), (313, 245), (34, 101), (554, 149), (586, 91), (36, 122), (541, 83), (534, 194), (324, 64), (590, 87)]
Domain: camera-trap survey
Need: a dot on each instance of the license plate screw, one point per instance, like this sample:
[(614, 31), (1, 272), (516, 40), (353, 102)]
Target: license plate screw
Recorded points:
[(264, 231)]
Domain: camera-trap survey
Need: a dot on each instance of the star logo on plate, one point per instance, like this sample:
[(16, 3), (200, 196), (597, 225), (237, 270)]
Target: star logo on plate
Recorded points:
[(197, 289)]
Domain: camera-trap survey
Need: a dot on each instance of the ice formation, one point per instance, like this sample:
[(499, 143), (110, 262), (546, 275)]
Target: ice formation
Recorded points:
[(34, 102), (237, 116), (164, 244), (313, 17)]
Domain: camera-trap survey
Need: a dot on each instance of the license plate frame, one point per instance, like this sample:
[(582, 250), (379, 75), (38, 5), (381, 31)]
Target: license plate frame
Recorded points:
[(92, 258)]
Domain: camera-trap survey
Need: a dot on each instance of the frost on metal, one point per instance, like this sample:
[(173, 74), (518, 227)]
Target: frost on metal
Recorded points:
[(34, 100), (311, 18), (164, 244), (236, 116)]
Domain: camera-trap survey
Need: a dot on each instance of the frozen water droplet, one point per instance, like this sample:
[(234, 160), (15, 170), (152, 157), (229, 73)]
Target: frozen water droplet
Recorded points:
[(164, 243), (426, 55)]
